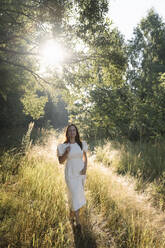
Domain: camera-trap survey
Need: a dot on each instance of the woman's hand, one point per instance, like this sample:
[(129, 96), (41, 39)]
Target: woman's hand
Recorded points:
[(64, 156), (83, 171), (67, 149)]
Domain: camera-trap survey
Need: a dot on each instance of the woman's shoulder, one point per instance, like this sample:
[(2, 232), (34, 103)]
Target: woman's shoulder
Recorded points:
[(61, 148), (62, 145)]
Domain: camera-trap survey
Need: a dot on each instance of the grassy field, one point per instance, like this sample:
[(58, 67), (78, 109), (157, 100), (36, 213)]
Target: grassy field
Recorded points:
[(142, 161), (34, 209)]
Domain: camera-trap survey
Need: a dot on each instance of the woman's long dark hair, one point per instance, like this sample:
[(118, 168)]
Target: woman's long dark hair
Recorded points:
[(77, 138)]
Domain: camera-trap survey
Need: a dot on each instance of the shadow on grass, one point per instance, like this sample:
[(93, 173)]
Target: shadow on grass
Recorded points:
[(84, 238)]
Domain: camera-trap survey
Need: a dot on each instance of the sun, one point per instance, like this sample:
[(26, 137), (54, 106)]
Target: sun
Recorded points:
[(52, 53)]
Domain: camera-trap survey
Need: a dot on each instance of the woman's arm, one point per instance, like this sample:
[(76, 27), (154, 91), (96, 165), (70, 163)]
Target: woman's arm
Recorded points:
[(62, 158), (83, 172)]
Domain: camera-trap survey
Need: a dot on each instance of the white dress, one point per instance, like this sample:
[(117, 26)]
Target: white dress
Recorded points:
[(74, 180)]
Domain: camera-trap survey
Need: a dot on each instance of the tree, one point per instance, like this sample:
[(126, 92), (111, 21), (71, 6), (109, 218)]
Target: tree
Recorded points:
[(146, 63), (146, 53), (98, 84), (23, 27)]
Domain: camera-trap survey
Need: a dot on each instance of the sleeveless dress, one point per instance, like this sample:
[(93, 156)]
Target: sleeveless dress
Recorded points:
[(74, 180)]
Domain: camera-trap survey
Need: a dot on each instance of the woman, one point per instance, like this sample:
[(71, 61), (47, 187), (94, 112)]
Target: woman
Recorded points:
[(73, 152)]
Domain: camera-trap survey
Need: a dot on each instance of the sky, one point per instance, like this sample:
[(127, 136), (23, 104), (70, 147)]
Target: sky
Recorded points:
[(126, 14)]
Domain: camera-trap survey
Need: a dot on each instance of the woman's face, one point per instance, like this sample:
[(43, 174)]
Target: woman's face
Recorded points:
[(72, 132)]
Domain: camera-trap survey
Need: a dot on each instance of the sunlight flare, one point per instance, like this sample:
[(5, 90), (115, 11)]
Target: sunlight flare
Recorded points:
[(53, 53)]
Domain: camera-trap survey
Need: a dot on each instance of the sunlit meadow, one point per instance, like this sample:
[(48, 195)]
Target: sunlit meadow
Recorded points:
[(33, 203)]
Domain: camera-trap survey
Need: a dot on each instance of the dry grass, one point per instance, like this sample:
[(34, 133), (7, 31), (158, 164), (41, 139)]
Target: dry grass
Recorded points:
[(126, 210), (108, 154), (34, 209), (143, 161)]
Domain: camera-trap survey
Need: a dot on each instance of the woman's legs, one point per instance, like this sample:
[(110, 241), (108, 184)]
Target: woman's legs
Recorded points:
[(78, 226), (77, 216), (72, 215)]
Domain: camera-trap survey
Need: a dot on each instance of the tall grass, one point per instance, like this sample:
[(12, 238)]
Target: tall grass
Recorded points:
[(130, 222), (108, 154), (33, 208), (144, 161), (33, 203)]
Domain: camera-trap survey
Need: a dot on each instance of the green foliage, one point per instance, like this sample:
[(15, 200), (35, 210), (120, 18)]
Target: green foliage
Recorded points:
[(34, 105), (107, 87), (111, 98), (16, 29), (147, 62), (98, 87), (11, 89), (22, 29)]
